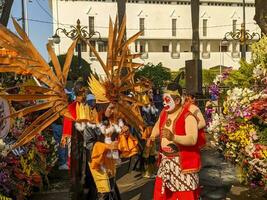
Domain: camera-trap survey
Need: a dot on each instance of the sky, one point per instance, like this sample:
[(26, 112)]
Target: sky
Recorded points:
[(39, 32)]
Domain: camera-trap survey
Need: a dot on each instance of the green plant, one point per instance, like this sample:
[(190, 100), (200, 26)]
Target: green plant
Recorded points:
[(158, 74), (75, 72)]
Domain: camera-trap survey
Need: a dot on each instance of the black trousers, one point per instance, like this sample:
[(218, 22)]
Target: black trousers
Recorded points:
[(114, 194)]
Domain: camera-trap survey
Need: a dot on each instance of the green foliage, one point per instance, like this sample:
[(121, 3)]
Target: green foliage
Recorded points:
[(259, 50), (208, 76), (75, 72), (158, 74), (241, 77)]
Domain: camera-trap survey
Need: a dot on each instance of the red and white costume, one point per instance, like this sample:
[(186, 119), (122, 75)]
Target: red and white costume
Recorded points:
[(177, 177)]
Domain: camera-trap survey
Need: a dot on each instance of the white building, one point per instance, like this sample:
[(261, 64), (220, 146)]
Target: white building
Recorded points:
[(167, 28)]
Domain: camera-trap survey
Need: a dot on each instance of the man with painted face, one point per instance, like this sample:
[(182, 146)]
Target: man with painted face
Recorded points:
[(179, 159)]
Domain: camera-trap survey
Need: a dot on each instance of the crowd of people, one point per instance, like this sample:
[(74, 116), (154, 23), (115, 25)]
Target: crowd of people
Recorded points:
[(168, 147)]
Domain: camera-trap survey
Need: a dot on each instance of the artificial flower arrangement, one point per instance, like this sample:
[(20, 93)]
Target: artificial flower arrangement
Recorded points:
[(240, 132), (26, 167)]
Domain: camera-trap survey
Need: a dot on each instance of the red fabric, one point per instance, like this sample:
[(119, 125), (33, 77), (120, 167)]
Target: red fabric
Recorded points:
[(169, 195), (189, 155), (67, 122)]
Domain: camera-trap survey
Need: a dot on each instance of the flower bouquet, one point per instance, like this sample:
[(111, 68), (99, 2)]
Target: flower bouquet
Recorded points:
[(240, 132)]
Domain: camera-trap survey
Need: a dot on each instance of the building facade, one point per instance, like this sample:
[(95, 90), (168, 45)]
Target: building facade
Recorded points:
[(167, 29)]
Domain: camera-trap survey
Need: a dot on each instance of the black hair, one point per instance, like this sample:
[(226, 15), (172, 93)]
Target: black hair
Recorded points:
[(175, 87), (78, 85)]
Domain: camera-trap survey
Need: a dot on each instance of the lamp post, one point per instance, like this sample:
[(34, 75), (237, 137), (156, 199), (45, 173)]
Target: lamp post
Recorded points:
[(242, 35), (223, 43), (77, 32), (81, 34)]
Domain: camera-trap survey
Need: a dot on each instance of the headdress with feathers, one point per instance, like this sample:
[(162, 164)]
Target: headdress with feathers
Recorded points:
[(116, 87)]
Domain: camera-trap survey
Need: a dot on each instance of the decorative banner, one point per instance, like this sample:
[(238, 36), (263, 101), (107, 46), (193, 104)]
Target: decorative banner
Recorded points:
[(4, 112)]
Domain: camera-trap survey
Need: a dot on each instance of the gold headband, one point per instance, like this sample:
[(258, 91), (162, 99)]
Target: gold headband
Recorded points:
[(172, 92)]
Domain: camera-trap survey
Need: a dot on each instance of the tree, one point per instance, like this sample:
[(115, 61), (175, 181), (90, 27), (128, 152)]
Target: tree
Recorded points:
[(156, 73), (241, 77), (6, 6), (261, 15), (76, 72)]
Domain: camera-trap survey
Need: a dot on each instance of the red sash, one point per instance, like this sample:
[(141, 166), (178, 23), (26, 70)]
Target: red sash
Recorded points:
[(67, 123)]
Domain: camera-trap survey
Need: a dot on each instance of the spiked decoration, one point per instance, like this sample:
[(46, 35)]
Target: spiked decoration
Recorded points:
[(29, 61), (116, 86)]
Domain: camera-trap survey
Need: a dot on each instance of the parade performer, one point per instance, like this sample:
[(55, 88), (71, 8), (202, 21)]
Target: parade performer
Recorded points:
[(102, 155), (53, 98), (116, 110), (194, 109), (179, 160), (190, 104), (149, 114)]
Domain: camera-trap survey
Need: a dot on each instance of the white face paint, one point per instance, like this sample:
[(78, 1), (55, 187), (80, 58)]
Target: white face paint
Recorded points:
[(168, 102)]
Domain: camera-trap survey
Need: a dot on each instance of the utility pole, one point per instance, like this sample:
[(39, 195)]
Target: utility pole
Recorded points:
[(193, 68), (23, 15), (195, 28), (121, 5)]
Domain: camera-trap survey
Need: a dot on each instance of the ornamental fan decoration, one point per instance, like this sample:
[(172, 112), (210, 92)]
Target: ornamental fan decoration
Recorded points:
[(50, 94), (116, 86)]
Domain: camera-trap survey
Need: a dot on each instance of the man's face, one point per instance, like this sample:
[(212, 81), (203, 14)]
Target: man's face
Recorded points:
[(110, 110), (168, 102)]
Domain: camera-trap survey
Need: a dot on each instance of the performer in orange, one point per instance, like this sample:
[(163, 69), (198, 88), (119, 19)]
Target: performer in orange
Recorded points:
[(107, 142), (179, 160)]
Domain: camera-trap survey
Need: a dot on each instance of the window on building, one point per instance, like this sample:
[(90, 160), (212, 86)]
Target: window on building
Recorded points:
[(142, 48), (205, 46), (102, 46), (174, 22), (91, 24), (142, 25), (83, 47), (224, 48), (205, 22), (234, 25), (165, 48)]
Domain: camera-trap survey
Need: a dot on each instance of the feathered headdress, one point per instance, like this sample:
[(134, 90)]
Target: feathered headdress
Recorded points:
[(116, 87), (27, 60)]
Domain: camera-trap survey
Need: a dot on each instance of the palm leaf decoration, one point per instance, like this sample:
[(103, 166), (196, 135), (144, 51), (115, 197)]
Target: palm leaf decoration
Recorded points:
[(27, 60), (116, 86)]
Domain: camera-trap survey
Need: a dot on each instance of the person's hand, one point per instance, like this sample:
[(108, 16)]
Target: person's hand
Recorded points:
[(113, 145), (125, 129), (166, 133), (63, 142), (148, 142)]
